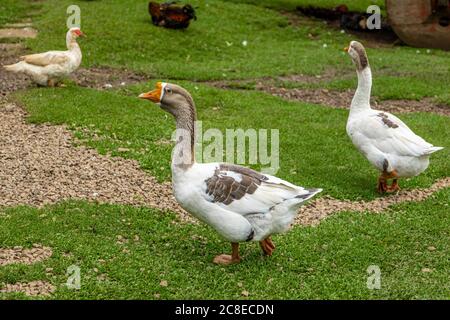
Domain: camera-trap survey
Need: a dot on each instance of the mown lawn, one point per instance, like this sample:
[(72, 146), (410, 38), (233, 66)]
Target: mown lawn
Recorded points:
[(15, 10), (325, 262)]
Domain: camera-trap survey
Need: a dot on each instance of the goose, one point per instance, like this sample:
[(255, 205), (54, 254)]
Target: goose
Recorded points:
[(389, 145), (237, 202), (47, 68)]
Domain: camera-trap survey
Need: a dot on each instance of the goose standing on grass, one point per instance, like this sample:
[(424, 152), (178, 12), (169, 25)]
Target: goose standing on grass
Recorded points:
[(381, 137), (47, 68), (239, 203)]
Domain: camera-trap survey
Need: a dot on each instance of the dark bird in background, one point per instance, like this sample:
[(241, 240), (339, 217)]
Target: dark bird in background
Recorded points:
[(171, 15), (350, 20)]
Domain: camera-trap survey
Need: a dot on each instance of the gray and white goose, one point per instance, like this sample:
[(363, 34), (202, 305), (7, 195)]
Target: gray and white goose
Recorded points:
[(381, 137), (239, 203)]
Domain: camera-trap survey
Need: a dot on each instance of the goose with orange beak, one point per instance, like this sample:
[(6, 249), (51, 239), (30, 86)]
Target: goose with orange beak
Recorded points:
[(48, 68), (389, 145), (239, 203)]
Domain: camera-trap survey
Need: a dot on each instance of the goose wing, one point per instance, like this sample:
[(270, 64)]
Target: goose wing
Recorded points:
[(245, 191), (391, 135), (46, 58)]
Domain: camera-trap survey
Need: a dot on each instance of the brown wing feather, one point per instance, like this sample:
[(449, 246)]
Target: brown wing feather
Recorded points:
[(225, 189)]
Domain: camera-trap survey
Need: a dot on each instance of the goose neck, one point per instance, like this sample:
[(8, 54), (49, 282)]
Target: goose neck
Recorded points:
[(361, 99)]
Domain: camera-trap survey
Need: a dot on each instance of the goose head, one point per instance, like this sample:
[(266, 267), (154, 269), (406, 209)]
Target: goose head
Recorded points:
[(71, 37), (358, 54), (171, 98), (74, 33)]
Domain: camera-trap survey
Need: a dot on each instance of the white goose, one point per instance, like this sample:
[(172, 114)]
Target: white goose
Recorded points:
[(47, 68), (381, 137), (239, 203)]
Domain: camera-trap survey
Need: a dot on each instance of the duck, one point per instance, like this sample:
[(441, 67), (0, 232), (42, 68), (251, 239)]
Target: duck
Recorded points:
[(48, 68), (237, 202), (386, 141)]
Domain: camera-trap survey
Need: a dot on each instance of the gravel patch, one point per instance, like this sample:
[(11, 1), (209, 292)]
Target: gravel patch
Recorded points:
[(34, 288), (39, 165), (18, 33), (25, 256), (342, 100), (315, 211), (9, 53)]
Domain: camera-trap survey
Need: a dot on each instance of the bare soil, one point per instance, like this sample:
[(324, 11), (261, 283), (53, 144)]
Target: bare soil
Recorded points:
[(34, 288), (26, 32), (25, 256), (40, 166), (106, 78), (342, 100), (9, 82)]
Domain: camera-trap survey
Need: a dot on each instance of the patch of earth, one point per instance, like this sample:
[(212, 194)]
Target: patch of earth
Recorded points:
[(315, 211), (18, 33), (40, 165), (34, 288), (10, 53), (26, 256), (106, 78), (269, 82), (342, 100), (25, 24)]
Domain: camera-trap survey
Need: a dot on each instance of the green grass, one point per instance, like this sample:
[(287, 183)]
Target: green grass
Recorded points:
[(324, 262), (313, 141), (13, 10)]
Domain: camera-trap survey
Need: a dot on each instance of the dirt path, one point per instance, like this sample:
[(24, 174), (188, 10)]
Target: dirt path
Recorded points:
[(342, 100), (39, 165), (329, 98), (26, 256)]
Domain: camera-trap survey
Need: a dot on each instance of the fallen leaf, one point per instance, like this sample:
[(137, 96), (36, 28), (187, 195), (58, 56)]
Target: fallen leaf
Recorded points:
[(163, 283)]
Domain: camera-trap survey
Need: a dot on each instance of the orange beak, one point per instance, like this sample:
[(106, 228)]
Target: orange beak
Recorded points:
[(154, 95), (346, 49)]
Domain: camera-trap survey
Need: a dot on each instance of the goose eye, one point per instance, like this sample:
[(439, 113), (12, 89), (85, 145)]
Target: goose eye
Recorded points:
[(168, 90)]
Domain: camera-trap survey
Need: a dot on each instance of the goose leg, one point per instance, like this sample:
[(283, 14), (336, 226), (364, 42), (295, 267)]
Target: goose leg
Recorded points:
[(267, 246), (382, 185), (51, 83), (394, 186), (226, 259)]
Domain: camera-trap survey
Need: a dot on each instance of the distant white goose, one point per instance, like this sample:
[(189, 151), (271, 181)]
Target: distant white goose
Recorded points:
[(381, 137), (47, 68), (239, 203)]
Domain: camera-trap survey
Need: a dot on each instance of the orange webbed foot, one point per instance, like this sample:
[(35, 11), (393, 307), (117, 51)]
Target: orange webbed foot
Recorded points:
[(267, 246)]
